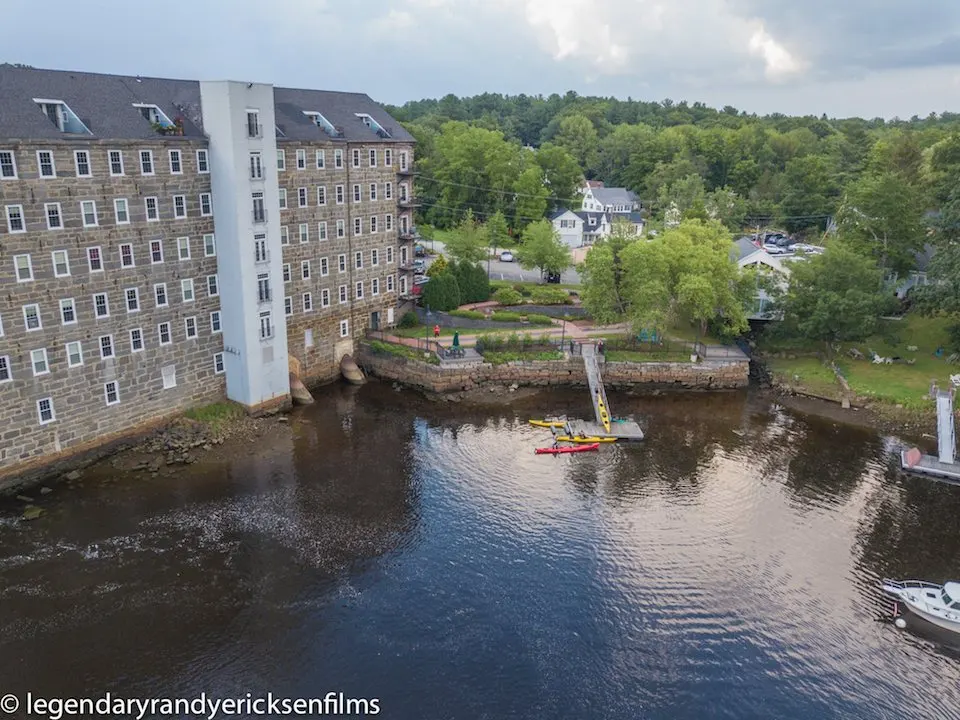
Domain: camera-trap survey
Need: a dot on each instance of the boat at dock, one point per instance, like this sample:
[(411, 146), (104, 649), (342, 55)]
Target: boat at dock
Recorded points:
[(937, 604), (548, 423), (581, 439), (565, 450)]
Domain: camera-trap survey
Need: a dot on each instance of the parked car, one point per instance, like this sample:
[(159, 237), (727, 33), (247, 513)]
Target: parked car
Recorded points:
[(506, 256), (419, 266), (552, 277), (419, 251)]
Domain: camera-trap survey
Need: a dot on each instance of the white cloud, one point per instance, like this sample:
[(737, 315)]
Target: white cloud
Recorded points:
[(779, 63), (393, 21), (576, 29)]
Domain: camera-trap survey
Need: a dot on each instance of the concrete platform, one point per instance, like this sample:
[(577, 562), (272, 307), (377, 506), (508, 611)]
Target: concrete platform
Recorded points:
[(628, 430), (932, 467)]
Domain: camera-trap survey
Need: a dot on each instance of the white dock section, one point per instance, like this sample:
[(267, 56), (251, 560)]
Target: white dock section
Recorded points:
[(945, 466), (946, 431)]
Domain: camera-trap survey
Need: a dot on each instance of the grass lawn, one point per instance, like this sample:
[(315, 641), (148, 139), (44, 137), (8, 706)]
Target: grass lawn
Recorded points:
[(813, 375), (385, 348), (529, 284), (635, 356), (217, 415), (426, 332), (505, 356), (689, 333)]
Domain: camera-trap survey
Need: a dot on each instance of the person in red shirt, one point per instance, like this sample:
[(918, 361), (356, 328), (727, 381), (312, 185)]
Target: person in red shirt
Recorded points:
[(436, 331)]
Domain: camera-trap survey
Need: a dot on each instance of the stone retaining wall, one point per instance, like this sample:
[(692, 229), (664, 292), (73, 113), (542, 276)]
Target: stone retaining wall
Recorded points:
[(709, 375)]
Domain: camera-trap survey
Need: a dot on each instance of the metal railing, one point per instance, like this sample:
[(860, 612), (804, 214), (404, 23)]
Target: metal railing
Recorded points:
[(917, 584), (259, 217), (408, 170), (254, 131), (717, 351)]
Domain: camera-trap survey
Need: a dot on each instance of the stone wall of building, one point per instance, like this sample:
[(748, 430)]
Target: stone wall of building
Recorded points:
[(709, 375), (315, 334), (76, 388)]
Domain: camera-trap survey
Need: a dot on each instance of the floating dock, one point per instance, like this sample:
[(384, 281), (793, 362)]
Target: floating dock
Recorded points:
[(945, 466)]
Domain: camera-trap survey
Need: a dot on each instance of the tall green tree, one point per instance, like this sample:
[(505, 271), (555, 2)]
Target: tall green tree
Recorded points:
[(531, 203), (807, 193), (942, 294), (496, 230), (578, 136), (835, 296), (602, 288), (562, 175), (543, 249), (468, 242)]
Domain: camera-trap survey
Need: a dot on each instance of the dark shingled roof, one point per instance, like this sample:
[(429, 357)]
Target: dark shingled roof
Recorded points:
[(104, 103)]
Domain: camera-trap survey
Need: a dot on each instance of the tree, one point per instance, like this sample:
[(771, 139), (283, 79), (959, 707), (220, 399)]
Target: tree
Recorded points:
[(883, 217), (531, 197), (601, 276), (496, 229), (942, 295), (468, 243), (835, 296), (441, 293), (437, 267), (543, 249), (562, 176), (473, 282), (578, 136), (806, 194)]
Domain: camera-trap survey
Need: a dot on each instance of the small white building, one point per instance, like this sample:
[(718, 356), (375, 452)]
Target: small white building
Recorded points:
[(582, 229), (613, 201)]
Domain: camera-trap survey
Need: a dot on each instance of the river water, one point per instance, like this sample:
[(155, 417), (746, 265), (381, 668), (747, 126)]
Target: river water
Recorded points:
[(386, 547)]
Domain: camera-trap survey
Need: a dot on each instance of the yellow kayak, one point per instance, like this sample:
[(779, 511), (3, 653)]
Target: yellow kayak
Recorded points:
[(604, 417), (548, 423), (578, 439)]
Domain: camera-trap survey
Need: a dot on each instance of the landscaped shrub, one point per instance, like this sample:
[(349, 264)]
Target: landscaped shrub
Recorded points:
[(437, 267), (550, 296), (522, 289), (953, 331), (441, 293), (506, 296), (505, 316), (471, 314), (473, 280), (409, 320), (538, 319)]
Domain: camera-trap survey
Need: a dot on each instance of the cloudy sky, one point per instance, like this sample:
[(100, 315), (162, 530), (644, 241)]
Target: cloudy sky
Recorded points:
[(842, 57)]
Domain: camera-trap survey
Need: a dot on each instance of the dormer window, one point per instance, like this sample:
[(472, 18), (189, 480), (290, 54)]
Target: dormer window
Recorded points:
[(373, 125), (158, 119), (321, 122), (593, 221), (59, 113)]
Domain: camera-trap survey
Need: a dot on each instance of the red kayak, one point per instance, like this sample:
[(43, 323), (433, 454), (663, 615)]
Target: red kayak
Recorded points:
[(561, 450)]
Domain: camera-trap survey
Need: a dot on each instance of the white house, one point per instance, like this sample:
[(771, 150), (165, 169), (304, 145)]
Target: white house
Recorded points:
[(580, 229), (748, 254), (614, 201)]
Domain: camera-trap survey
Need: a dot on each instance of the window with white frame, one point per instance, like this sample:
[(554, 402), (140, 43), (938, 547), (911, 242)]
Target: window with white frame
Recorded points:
[(266, 325), (284, 235), (206, 205), (308, 337), (116, 162), (146, 162), (61, 263), (218, 363), (106, 347), (8, 165), (358, 290), (74, 354), (324, 298), (373, 224), (94, 259), (179, 206), (209, 245), (15, 219), (163, 333), (305, 270), (215, 326), (38, 361), (281, 160), (6, 374), (46, 165), (322, 231), (307, 302), (283, 198), (213, 285), (356, 158), (260, 248), (356, 193), (341, 263), (324, 267), (263, 287), (358, 226), (88, 209), (343, 294), (389, 252), (1, 326), (68, 311), (176, 165), (339, 194), (256, 166), (341, 229), (388, 157), (156, 252), (126, 255), (373, 191), (374, 257), (111, 392), (152, 208), (344, 328), (286, 272), (302, 197), (136, 340), (169, 375), (375, 286), (321, 195), (389, 283), (403, 160), (101, 305), (190, 327), (358, 259), (388, 191), (304, 232), (133, 299), (301, 159), (54, 216), (254, 129), (186, 290), (183, 248), (321, 159), (388, 222), (31, 317), (403, 285), (121, 211), (338, 158), (203, 163), (81, 159), (373, 157), (160, 294), (45, 413)]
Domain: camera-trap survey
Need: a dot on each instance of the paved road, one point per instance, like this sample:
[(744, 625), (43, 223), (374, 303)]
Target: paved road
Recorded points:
[(510, 270)]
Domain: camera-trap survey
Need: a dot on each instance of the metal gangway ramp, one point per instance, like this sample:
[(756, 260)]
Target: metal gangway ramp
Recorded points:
[(945, 465), (946, 431), (605, 425)]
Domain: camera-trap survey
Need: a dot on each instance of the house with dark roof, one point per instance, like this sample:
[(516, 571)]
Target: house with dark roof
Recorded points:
[(582, 229), (613, 201), (167, 243)]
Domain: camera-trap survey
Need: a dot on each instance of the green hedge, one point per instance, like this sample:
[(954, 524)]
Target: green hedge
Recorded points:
[(550, 296), (441, 293), (506, 296)]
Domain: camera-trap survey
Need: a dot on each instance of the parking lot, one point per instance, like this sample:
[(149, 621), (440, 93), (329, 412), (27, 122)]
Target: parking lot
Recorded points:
[(510, 271)]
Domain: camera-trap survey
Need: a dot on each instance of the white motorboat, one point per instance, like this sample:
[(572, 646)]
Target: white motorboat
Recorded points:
[(938, 604)]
